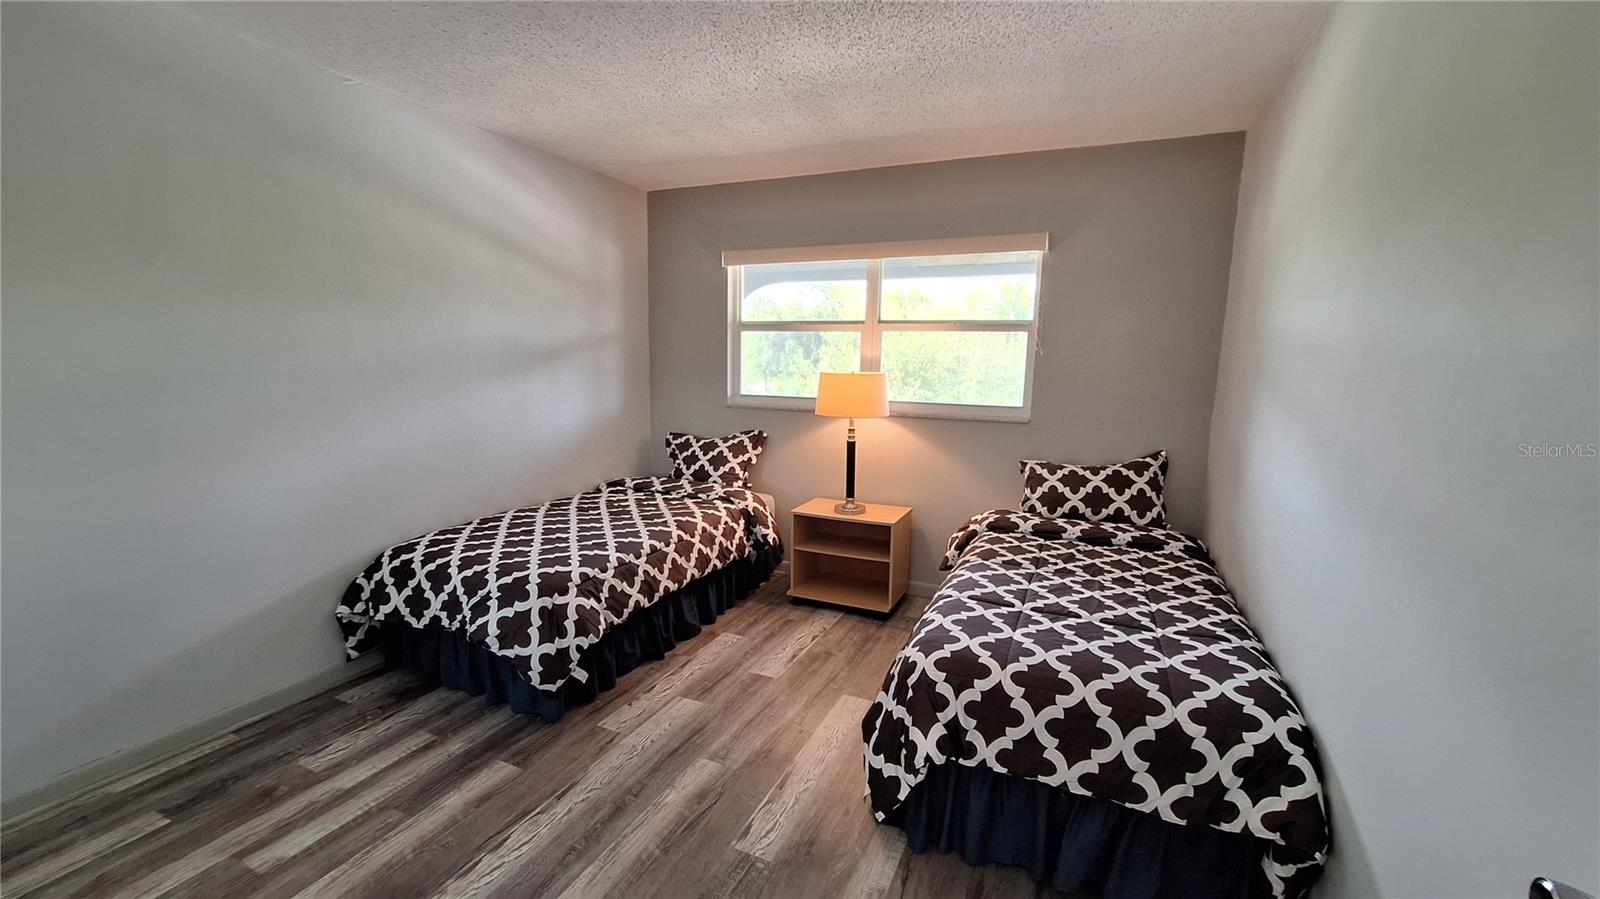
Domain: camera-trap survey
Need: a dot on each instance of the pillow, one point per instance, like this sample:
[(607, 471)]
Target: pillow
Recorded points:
[(722, 460), (1129, 493)]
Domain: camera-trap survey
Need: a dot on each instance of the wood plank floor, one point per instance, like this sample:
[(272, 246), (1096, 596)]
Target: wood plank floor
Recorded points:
[(732, 768)]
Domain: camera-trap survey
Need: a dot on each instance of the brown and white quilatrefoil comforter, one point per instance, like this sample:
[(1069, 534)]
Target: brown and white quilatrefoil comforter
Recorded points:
[(539, 585), (1110, 661)]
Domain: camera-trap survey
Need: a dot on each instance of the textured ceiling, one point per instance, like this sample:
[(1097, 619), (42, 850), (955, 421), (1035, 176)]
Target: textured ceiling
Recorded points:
[(673, 94)]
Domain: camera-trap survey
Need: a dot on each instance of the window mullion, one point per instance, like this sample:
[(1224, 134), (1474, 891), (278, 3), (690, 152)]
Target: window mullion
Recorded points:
[(968, 325), (735, 337), (871, 341), (797, 326)]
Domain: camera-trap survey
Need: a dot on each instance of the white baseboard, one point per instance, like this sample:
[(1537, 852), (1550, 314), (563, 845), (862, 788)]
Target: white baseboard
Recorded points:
[(90, 775)]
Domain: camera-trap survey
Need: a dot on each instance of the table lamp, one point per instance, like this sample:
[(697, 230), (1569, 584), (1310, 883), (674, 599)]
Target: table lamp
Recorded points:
[(852, 395)]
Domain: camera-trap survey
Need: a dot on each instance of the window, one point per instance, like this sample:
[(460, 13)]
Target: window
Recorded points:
[(953, 324)]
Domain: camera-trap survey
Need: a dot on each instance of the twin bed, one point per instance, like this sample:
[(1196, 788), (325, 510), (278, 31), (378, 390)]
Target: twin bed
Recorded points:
[(1082, 697), (546, 606)]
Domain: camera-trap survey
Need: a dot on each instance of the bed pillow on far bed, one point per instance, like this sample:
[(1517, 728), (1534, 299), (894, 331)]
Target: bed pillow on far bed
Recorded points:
[(1131, 492), (721, 460)]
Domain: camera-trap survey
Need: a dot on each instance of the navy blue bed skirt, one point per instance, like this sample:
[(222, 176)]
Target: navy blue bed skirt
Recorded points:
[(1076, 843), (446, 658)]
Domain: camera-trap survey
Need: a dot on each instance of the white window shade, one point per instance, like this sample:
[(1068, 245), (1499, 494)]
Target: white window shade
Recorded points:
[(1034, 242)]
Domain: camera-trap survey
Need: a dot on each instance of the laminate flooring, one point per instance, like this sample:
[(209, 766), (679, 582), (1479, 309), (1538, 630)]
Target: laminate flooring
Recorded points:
[(731, 768)]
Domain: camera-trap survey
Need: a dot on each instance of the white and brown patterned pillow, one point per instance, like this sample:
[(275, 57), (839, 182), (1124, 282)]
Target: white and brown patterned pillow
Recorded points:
[(1129, 493), (723, 460)]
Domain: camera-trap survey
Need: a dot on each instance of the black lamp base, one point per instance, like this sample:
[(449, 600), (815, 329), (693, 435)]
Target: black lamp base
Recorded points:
[(850, 506)]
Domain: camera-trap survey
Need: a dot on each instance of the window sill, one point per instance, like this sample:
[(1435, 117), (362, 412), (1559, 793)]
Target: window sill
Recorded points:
[(999, 414)]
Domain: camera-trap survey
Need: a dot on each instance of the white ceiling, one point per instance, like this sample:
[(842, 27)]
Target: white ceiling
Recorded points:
[(674, 94)]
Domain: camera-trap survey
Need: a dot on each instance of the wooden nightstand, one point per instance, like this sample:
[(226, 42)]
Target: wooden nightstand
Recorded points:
[(860, 561)]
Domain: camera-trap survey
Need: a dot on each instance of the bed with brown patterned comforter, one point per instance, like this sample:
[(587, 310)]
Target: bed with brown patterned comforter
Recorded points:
[(1107, 661), (538, 586)]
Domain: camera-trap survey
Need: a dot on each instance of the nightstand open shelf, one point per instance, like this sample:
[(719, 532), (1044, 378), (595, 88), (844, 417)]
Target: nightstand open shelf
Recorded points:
[(867, 549), (859, 561)]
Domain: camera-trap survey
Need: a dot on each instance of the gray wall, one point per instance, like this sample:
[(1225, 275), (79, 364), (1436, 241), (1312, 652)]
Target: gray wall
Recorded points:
[(1414, 297), (260, 323), (1134, 288)]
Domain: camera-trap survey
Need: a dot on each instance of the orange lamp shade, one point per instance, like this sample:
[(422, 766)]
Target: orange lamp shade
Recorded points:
[(853, 394)]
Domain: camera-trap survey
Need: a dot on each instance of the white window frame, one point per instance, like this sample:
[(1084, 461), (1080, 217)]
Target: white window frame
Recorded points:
[(872, 327)]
